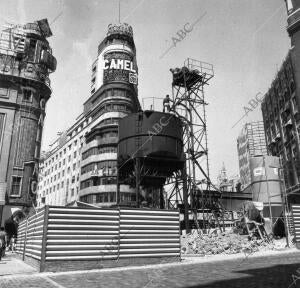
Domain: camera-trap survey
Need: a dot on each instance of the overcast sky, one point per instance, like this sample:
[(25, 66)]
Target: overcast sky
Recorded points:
[(246, 41)]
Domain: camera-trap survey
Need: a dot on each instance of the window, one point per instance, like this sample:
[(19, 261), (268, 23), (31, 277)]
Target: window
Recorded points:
[(31, 49), (27, 95), (4, 92), (16, 185)]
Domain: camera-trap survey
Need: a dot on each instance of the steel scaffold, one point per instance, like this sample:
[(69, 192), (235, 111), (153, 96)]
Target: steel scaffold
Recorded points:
[(191, 186)]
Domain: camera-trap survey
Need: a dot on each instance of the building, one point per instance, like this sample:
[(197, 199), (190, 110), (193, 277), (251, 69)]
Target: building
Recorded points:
[(25, 64), (228, 184), (82, 163), (251, 142), (258, 171), (281, 104)]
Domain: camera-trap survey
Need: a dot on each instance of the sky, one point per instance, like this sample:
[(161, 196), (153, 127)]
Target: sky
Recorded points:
[(246, 42)]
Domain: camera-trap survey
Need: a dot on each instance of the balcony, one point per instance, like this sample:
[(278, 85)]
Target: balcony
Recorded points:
[(98, 173), (98, 158), (99, 142), (104, 188)]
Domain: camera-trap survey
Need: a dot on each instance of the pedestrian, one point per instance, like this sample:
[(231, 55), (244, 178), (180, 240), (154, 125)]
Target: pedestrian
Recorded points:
[(166, 104), (2, 242), (13, 243), (11, 228)]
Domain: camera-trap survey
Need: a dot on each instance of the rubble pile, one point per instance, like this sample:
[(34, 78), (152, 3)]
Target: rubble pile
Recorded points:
[(221, 243)]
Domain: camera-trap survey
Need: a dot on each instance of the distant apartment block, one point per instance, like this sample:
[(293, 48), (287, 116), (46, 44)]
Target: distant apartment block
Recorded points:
[(251, 142)]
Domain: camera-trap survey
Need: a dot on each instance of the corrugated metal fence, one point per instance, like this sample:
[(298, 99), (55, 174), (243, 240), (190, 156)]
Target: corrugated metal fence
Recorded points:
[(296, 223), (73, 233), (149, 233), (30, 236)]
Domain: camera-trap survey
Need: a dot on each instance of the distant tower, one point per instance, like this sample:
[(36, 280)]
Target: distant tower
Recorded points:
[(223, 179), (114, 95), (25, 63)]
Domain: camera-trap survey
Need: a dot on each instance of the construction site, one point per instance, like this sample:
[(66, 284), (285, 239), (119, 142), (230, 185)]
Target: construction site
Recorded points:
[(130, 182)]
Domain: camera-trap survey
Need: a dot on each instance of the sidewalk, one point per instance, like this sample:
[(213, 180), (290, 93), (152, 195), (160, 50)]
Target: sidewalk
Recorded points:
[(11, 265), (269, 270)]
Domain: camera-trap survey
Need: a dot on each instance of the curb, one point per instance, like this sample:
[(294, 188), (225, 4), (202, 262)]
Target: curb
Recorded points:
[(185, 261)]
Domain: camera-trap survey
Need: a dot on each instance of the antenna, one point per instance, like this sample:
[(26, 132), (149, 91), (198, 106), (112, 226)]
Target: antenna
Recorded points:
[(119, 11)]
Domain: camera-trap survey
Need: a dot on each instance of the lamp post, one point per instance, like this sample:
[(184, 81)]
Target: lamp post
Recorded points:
[(283, 202)]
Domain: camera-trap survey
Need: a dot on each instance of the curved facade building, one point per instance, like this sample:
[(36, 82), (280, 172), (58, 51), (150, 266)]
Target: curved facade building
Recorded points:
[(114, 95), (25, 64)]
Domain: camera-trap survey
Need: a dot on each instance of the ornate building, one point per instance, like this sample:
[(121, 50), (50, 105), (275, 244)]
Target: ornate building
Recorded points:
[(25, 63), (82, 162), (281, 106)]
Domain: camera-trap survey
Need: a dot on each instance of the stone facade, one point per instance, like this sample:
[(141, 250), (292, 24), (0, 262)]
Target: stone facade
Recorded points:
[(25, 63)]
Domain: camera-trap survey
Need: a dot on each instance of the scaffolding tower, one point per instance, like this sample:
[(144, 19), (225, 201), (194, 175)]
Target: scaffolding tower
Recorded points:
[(189, 188)]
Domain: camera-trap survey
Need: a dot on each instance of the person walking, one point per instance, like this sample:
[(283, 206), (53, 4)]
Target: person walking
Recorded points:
[(11, 228), (2, 242)]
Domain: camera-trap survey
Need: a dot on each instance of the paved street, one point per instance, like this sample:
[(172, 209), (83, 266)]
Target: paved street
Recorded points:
[(268, 271), (10, 265)]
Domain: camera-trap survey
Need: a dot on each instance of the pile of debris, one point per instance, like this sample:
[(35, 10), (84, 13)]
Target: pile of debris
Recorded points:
[(221, 243)]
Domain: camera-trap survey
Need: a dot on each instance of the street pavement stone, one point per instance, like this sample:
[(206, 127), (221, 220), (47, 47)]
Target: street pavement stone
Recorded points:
[(28, 281), (259, 272)]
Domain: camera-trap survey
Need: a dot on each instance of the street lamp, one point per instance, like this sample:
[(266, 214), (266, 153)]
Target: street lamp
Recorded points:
[(283, 202)]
